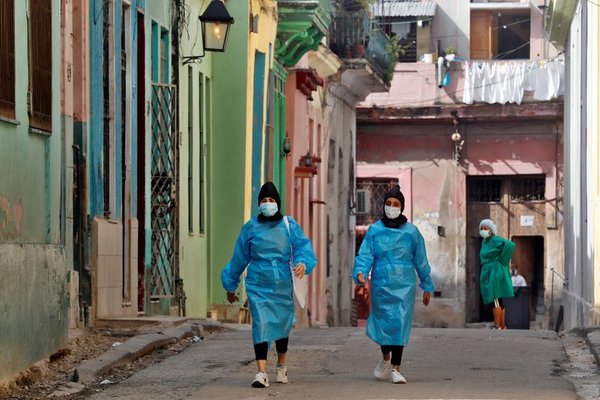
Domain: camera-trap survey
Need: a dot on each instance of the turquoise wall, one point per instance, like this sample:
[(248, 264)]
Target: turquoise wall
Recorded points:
[(33, 299), (258, 109)]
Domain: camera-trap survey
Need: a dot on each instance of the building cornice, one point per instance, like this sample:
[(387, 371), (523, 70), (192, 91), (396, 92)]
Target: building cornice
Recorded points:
[(552, 111), (301, 27)]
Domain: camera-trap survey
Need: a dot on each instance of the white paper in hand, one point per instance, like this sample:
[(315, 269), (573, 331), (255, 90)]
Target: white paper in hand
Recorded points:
[(300, 289), (300, 284)]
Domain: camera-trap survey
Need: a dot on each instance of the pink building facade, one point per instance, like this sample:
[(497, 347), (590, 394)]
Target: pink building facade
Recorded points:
[(471, 128), (307, 126), (507, 169)]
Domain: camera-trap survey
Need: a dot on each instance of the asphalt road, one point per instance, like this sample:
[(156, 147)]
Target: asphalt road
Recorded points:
[(337, 363)]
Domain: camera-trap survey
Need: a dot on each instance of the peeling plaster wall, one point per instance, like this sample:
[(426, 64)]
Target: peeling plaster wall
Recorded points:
[(34, 305), (342, 145)]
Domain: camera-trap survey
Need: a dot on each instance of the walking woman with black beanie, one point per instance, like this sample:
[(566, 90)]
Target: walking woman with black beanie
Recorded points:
[(392, 251), (265, 246)]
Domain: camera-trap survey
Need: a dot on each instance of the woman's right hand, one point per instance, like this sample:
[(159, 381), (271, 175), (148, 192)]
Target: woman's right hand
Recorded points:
[(232, 298), (361, 279)]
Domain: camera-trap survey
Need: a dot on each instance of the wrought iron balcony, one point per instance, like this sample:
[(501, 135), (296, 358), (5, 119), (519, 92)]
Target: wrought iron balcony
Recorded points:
[(353, 35)]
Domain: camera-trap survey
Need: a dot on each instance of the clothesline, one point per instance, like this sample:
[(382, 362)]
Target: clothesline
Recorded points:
[(501, 83), (457, 92)]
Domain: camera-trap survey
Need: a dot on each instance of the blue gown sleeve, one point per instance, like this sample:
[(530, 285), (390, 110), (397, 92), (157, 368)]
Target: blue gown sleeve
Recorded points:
[(364, 261), (230, 276), (302, 248), (421, 264)]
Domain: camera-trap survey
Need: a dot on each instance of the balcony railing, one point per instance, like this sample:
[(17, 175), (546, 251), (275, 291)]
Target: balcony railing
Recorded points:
[(354, 36)]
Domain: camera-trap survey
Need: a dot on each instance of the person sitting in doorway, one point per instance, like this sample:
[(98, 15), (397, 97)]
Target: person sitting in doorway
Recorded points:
[(517, 279)]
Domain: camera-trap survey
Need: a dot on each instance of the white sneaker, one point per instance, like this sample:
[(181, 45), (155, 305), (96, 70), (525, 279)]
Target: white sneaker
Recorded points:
[(261, 380), (397, 377), (382, 369), (282, 376)]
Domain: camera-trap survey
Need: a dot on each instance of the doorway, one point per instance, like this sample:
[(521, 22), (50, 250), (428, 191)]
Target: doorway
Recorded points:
[(517, 205), (529, 259), (141, 158)]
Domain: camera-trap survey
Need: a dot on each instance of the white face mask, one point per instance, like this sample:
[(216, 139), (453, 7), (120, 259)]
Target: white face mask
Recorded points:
[(484, 234), (392, 212), (268, 209)]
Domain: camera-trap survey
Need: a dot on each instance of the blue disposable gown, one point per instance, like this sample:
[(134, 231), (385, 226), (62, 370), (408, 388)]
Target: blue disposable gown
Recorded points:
[(392, 255), (264, 247)]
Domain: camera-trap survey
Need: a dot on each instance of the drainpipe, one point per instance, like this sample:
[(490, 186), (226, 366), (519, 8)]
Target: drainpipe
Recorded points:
[(440, 75), (176, 32)]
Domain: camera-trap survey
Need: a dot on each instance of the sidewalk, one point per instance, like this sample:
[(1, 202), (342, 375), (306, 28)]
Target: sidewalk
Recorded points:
[(592, 337), (144, 340), (141, 345)]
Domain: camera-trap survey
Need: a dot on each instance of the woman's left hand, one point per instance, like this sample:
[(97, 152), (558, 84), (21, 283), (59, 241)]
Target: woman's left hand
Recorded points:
[(300, 270), (426, 298)]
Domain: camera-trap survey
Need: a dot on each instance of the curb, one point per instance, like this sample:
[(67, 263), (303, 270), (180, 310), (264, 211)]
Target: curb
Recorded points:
[(592, 337), (139, 346)]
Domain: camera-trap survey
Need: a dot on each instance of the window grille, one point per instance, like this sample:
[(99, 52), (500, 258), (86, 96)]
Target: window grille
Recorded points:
[(528, 189), (376, 188), (485, 190)]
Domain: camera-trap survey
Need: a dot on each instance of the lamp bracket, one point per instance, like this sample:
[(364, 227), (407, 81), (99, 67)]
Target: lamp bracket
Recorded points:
[(191, 59)]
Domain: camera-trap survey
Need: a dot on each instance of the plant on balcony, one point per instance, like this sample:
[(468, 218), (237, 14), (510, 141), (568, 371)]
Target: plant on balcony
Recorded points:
[(394, 50), (450, 53), (450, 50), (357, 5), (366, 3)]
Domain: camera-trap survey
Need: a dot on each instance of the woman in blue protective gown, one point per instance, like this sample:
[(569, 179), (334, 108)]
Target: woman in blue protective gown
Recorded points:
[(264, 246), (392, 251)]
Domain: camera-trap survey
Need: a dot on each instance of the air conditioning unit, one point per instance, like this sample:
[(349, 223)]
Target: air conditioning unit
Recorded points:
[(363, 201)]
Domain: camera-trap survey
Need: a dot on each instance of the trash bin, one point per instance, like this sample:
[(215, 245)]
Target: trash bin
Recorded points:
[(517, 309)]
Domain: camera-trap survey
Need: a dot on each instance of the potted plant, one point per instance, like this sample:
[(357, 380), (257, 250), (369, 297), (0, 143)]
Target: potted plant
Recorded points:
[(394, 50), (450, 53), (366, 3), (357, 5), (359, 50)]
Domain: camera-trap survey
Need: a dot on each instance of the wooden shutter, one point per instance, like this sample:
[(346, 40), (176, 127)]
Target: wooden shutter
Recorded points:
[(40, 78), (481, 35), (7, 58)]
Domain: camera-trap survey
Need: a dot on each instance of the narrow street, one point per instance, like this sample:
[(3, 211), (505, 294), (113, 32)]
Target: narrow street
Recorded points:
[(337, 363)]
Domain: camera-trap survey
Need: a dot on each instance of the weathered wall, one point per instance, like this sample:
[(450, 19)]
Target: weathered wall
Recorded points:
[(34, 304), (30, 197), (33, 266), (340, 199), (582, 260)]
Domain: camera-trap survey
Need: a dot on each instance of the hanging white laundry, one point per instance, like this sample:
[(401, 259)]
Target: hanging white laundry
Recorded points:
[(548, 82), (502, 82)]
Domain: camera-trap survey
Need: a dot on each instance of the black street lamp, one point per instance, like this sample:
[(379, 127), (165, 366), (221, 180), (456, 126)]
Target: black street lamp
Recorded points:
[(215, 29)]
